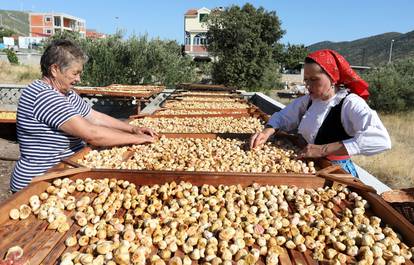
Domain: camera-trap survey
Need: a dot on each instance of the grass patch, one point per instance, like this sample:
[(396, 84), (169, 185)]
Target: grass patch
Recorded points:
[(18, 74), (394, 167)]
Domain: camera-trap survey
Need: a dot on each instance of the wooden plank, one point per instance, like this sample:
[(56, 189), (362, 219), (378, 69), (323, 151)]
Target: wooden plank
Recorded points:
[(329, 169), (284, 258), (308, 257), (25, 234), (42, 245), (297, 257), (19, 232), (346, 180), (57, 251), (59, 174)]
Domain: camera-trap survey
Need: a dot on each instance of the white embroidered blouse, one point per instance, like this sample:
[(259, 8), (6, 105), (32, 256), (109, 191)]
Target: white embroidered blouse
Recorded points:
[(369, 136)]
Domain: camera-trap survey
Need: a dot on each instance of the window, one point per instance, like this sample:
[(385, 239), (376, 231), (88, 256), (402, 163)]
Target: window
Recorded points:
[(200, 39), (187, 38), (47, 31), (48, 18), (57, 21), (203, 17)]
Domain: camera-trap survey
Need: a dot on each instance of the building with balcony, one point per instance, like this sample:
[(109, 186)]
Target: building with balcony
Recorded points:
[(47, 24), (195, 39)]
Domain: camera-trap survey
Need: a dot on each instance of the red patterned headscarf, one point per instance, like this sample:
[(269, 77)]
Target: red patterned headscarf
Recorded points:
[(340, 71)]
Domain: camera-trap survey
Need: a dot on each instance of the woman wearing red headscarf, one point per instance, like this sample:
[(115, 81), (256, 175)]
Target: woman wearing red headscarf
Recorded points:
[(333, 118)]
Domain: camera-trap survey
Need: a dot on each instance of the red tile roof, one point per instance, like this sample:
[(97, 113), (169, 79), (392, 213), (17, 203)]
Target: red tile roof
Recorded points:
[(191, 12)]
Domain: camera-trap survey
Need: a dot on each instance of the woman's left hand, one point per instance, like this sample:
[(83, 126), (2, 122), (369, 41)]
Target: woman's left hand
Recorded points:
[(144, 130), (313, 150)]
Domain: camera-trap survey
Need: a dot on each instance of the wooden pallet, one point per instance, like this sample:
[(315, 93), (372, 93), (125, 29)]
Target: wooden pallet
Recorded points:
[(42, 246), (11, 120)]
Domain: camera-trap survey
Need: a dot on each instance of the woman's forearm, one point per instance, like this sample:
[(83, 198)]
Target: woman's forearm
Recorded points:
[(323, 150), (104, 136), (102, 119), (336, 148)]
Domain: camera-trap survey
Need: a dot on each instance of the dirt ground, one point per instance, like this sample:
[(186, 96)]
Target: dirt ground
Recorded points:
[(6, 168), (8, 154)]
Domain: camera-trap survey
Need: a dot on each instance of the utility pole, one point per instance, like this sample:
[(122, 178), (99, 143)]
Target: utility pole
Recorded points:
[(363, 57), (392, 44)]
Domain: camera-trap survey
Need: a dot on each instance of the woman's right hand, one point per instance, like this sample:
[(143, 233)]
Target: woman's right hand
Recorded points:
[(145, 138), (261, 137)]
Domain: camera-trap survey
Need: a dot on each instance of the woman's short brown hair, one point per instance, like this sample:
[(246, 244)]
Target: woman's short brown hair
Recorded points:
[(62, 53)]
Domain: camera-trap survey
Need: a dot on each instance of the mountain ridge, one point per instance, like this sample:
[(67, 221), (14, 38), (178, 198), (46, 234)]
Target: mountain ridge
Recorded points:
[(17, 21), (372, 50)]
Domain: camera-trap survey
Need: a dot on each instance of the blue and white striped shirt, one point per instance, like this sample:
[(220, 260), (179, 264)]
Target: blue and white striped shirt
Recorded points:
[(40, 113)]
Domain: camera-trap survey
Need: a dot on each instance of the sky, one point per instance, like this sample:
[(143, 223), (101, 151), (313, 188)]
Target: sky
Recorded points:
[(305, 21)]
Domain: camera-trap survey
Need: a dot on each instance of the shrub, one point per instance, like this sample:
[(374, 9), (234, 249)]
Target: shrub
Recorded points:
[(137, 60), (11, 56), (392, 86)]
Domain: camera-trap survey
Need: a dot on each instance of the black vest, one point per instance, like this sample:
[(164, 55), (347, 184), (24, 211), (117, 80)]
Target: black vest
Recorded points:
[(331, 129)]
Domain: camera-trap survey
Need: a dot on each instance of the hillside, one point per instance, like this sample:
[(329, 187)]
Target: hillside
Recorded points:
[(16, 21), (374, 50)]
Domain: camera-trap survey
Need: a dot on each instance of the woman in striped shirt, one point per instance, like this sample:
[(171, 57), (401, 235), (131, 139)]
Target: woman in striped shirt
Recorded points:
[(53, 122)]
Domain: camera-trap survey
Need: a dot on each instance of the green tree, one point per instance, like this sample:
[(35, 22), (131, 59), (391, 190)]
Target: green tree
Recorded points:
[(243, 40), (293, 55), (6, 33)]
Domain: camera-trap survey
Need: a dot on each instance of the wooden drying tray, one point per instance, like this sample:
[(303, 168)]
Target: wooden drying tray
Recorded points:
[(208, 100), (320, 163), (8, 120), (249, 105), (255, 113), (206, 95), (133, 87), (43, 246), (222, 111), (139, 94), (204, 87)]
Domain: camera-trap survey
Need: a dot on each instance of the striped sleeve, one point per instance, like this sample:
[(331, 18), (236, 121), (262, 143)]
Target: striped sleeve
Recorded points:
[(52, 109), (79, 104)]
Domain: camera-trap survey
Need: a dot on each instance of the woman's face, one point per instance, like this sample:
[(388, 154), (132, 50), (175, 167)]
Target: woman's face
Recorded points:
[(317, 82), (68, 77)]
